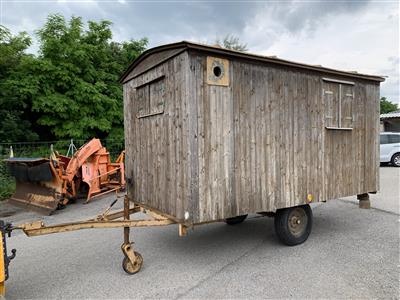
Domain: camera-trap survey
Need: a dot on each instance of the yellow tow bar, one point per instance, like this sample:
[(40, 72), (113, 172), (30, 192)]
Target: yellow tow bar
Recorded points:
[(5, 228)]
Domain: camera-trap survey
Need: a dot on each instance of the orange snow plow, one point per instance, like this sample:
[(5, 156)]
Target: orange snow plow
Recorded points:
[(50, 183)]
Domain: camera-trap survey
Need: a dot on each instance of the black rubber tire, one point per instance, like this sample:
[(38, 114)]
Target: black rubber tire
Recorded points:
[(283, 228), (395, 160), (126, 264), (235, 220)]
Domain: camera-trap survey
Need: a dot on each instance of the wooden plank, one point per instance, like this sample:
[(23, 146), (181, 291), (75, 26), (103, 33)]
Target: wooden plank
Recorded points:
[(260, 173), (245, 118), (376, 100), (285, 124), (251, 126), (198, 65), (291, 166), (194, 71), (269, 148), (296, 136), (177, 131), (238, 136)]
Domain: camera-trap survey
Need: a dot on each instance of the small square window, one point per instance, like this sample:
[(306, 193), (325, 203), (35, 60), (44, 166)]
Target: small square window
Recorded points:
[(150, 98)]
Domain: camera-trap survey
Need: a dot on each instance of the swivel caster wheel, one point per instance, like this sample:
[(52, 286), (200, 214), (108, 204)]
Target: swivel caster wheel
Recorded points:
[(130, 268)]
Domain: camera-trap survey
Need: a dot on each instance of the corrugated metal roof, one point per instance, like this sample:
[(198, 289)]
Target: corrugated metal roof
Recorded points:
[(393, 114), (245, 55)]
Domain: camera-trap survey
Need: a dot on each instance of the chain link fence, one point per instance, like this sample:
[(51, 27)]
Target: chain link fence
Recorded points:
[(43, 149)]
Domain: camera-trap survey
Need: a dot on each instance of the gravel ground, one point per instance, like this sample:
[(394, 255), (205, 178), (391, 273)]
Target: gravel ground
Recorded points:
[(351, 253)]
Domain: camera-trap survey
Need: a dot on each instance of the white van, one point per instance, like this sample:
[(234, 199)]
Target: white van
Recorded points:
[(390, 148)]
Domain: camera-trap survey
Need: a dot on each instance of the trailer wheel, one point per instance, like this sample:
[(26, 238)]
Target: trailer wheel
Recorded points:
[(235, 220), (293, 225), (132, 269)]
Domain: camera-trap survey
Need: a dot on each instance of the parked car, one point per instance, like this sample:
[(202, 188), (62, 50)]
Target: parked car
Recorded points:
[(390, 148)]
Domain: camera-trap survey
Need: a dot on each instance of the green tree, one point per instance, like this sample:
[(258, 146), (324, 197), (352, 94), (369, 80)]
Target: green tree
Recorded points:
[(15, 118), (387, 106), (72, 84), (232, 42), (80, 96)]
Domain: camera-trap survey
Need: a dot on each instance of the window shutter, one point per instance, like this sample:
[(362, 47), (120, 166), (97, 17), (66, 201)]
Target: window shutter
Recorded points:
[(142, 100), (347, 95), (157, 91), (150, 98), (331, 103)]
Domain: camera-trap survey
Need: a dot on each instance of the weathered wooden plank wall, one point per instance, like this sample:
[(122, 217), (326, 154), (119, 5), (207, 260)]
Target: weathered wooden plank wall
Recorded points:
[(158, 161), (263, 144)]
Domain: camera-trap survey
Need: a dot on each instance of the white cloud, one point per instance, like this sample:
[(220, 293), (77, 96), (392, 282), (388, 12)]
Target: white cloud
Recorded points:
[(366, 41)]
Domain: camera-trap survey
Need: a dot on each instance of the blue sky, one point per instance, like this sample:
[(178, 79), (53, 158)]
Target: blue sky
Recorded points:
[(348, 35)]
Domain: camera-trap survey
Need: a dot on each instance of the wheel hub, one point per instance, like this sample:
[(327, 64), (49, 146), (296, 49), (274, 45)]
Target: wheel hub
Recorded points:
[(297, 221)]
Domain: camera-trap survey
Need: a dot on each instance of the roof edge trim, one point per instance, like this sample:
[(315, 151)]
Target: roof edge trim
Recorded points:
[(244, 55)]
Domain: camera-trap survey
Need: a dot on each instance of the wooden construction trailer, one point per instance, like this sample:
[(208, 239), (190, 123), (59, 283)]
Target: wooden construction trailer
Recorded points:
[(212, 133)]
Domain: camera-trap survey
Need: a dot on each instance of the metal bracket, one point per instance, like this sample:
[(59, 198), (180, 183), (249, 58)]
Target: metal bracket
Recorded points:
[(182, 230), (127, 249)]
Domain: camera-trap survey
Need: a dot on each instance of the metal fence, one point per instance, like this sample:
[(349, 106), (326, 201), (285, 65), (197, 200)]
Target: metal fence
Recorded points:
[(64, 147)]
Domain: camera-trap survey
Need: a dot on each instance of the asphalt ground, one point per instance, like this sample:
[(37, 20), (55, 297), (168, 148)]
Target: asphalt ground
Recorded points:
[(351, 253)]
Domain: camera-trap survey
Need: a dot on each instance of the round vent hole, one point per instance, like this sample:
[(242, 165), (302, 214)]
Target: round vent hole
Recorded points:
[(217, 71)]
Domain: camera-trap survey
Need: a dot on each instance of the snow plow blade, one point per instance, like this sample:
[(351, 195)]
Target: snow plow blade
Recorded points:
[(37, 186), (36, 197)]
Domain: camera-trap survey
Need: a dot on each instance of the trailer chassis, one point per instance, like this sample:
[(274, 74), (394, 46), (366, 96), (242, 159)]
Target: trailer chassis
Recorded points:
[(132, 261)]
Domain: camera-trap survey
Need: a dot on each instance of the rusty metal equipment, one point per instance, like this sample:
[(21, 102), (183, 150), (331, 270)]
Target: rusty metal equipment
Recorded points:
[(50, 183)]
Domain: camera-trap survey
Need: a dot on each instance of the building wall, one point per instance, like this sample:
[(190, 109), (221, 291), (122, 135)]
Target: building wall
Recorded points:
[(392, 125)]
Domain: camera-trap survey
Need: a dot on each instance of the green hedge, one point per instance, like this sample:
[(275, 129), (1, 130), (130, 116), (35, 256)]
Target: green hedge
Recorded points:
[(7, 182)]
